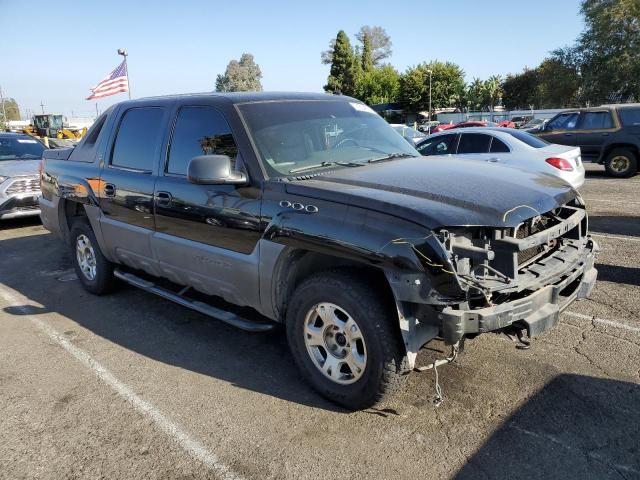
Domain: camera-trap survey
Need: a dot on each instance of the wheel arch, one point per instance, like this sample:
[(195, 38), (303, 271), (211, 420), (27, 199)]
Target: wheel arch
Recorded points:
[(613, 146)]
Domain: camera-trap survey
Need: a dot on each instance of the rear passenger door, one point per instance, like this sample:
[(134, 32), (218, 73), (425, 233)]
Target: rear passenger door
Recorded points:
[(481, 146), (206, 235), (126, 185)]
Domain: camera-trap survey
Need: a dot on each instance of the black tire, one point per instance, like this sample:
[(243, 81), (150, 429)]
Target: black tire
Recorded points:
[(103, 281), (386, 360), (624, 157)]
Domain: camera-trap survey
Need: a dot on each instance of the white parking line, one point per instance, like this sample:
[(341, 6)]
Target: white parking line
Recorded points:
[(192, 446), (615, 237), (612, 323)]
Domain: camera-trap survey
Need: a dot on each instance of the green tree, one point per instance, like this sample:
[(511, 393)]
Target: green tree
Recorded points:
[(475, 94), (240, 76), (608, 50), (11, 109), (344, 67), (492, 92), (367, 54), (379, 40), (378, 85), (521, 90), (559, 81), (447, 89)]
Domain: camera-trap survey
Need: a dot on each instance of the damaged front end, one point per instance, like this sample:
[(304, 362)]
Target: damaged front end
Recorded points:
[(520, 278)]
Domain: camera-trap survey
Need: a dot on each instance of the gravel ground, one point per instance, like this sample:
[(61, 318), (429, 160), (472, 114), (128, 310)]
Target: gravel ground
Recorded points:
[(133, 386)]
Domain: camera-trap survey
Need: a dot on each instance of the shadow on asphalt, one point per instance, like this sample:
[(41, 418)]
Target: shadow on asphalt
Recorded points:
[(575, 427), (20, 223), (618, 274), (615, 225), (152, 326)]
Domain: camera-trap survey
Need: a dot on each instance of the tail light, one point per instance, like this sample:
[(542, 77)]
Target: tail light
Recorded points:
[(560, 163)]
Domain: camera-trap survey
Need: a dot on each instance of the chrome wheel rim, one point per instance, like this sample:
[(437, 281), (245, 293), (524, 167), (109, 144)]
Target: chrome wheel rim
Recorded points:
[(335, 343), (86, 257), (619, 164)]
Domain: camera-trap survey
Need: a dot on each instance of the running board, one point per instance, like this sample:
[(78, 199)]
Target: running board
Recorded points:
[(209, 310)]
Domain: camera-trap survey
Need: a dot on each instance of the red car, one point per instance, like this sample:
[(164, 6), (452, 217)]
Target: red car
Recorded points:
[(475, 123), (507, 124)]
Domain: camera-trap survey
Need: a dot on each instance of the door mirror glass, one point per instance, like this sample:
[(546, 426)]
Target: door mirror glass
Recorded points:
[(214, 170)]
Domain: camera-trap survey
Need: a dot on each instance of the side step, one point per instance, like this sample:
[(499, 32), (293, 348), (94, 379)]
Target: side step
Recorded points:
[(226, 316)]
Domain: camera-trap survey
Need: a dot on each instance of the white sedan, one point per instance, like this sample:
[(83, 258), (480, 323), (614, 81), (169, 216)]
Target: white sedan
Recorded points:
[(509, 147)]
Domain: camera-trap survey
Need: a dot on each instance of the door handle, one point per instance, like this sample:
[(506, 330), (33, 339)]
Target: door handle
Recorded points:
[(163, 199), (493, 159), (109, 190), (568, 134), (605, 134)]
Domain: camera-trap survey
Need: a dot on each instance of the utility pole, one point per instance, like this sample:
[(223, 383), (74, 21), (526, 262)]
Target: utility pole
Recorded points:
[(4, 111), (42, 106), (123, 52), (430, 72)]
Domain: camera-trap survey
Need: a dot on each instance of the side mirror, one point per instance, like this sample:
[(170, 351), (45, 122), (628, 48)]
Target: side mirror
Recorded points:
[(214, 170)]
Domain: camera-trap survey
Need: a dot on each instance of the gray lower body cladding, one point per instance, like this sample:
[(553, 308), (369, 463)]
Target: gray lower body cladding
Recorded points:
[(536, 312)]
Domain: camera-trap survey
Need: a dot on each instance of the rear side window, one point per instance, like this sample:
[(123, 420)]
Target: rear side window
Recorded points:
[(86, 150), (596, 120), (441, 145), (629, 116), (474, 143), (138, 139), (498, 146), (199, 131)]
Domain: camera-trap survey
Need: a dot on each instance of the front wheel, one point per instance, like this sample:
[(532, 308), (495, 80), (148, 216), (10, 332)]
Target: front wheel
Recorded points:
[(94, 271), (342, 338)]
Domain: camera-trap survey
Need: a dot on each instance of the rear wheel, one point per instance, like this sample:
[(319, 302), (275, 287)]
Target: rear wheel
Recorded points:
[(621, 163), (94, 271), (341, 335)]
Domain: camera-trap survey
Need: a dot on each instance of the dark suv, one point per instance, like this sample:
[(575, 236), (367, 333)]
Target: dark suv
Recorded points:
[(313, 212), (608, 135)]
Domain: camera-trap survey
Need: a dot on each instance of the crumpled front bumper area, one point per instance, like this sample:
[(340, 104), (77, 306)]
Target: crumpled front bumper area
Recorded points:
[(537, 312), (23, 205)]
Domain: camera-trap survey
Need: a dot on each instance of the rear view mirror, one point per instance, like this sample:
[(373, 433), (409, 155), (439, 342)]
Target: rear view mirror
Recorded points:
[(214, 170)]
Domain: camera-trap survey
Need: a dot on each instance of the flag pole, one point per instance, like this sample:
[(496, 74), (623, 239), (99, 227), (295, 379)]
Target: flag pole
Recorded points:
[(123, 52)]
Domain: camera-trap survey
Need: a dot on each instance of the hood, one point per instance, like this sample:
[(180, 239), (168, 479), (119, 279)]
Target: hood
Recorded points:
[(14, 168), (440, 192)]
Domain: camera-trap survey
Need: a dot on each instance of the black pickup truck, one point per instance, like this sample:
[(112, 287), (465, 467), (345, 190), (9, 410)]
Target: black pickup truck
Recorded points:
[(314, 213), (609, 135)]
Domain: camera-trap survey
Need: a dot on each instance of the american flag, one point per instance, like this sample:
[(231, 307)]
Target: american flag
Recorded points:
[(113, 83)]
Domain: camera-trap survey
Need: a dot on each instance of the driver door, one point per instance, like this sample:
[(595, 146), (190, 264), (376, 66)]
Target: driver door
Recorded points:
[(206, 235)]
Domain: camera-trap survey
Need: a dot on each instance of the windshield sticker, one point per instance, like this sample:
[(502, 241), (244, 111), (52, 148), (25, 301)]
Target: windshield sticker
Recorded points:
[(26, 141), (359, 107)]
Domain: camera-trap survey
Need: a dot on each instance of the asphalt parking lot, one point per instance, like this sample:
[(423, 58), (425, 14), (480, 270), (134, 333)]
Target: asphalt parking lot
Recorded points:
[(133, 386)]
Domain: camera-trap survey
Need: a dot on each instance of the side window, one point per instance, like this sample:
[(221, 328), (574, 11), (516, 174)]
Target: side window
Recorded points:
[(85, 151), (474, 143), (596, 121), (498, 146), (629, 116), (199, 131), (442, 145), (138, 139), (565, 121)]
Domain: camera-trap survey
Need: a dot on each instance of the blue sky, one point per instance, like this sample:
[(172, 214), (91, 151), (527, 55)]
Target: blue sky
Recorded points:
[(55, 54)]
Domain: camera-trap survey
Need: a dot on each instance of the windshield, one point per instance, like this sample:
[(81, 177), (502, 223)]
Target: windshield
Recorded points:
[(293, 136), (20, 148)]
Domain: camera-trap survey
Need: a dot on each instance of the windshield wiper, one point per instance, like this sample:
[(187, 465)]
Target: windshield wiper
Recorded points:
[(311, 167), (390, 156), (326, 164)]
